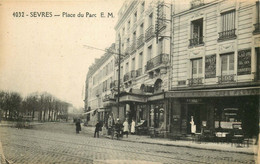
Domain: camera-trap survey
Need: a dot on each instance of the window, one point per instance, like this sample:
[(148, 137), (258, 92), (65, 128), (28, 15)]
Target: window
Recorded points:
[(160, 46), (135, 16), (196, 32), (141, 29), (141, 60), (126, 67), (142, 7), (227, 64), (133, 64), (123, 32), (149, 52), (150, 22), (257, 25), (128, 24), (196, 68), (227, 25)]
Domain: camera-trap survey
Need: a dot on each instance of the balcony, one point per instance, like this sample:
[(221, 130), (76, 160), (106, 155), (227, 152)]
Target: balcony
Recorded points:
[(149, 33), (138, 72), (160, 60), (133, 47), (195, 81), (226, 78), (140, 41), (257, 28), (127, 76), (227, 35), (196, 3), (127, 50), (196, 41)]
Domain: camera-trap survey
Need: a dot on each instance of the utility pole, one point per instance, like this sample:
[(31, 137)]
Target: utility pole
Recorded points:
[(118, 87)]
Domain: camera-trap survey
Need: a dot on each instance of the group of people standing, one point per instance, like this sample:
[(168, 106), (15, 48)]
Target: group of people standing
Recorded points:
[(112, 126)]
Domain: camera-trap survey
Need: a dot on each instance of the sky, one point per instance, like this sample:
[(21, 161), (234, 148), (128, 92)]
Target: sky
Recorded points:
[(39, 54)]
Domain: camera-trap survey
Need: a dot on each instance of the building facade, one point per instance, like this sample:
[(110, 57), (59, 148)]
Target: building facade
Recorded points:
[(144, 68), (215, 68), (185, 68), (98, 87)]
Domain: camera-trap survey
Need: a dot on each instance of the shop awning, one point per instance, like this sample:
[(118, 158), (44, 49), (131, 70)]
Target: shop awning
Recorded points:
[(90, 111), (133, 98), (245, 91), (103, 109)]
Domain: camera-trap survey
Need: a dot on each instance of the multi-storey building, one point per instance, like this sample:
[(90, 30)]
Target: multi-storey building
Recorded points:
[(144, 67), (215, 67), (98, 87), (200, 75)]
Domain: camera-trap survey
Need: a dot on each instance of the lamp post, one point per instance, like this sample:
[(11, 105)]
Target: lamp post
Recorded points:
[(118, 85)]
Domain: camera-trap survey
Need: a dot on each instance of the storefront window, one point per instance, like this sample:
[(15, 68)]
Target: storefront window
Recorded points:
[(157, 115)]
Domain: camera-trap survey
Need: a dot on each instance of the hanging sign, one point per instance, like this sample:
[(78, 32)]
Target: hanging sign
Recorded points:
[(210, 66), (244, 62)]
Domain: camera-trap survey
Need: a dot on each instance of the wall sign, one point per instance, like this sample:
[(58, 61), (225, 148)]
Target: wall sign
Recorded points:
[(210, 66), (244, 62)]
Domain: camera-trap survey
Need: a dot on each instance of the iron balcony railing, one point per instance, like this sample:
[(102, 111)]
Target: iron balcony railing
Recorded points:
[(257, 28), (140, 41), (138, 72), (126, 77), (196, 41), (226, 78), (229, 34), (133, 46), (149, 33), (195, 81), (127, 50), (157, 61)]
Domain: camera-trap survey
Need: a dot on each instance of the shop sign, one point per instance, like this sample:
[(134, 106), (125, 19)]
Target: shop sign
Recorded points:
[(244, 62), (194, 100), (215, 93), (210, 66)]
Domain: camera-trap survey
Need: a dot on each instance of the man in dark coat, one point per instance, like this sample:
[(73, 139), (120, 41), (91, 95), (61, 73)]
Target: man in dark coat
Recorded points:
[(78, 127), (97, 129)]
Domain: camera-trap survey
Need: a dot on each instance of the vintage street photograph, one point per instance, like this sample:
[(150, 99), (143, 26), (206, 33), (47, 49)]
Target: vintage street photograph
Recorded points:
[(129, 81)]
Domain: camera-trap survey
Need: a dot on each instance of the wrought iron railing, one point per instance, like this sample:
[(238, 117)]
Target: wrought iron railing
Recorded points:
[(229, 34), (226, 78), (195, 81), (257, 28), (149, 33), (126, 77), (156, 61), (127, 50), (138, 72), (140, 41), (196, 41)]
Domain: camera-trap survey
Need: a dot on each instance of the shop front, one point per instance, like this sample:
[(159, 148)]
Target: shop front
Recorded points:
[(216, 113)]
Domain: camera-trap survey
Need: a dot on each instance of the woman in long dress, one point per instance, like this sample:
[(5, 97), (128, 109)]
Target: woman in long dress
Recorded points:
[(133, 127), (126, 128)]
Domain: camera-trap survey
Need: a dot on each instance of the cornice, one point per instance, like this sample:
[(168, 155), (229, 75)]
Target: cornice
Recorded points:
[(129, 8)]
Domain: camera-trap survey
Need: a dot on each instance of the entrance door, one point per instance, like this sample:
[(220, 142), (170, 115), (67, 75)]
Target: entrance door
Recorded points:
[(258, 63), (194, 111)]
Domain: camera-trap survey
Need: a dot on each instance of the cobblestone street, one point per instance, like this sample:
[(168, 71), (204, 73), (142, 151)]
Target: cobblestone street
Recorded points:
[(58, 143)]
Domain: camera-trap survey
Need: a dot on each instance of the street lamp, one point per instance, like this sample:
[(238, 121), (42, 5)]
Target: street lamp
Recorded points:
[(118, 87)]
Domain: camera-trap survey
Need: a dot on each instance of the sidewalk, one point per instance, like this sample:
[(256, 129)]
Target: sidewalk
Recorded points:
[(224, 147)]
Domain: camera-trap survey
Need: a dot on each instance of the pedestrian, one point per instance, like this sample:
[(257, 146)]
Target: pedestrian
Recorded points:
[(97, 129), (78, 126), (133, 127), (110, 124), (126, 128)]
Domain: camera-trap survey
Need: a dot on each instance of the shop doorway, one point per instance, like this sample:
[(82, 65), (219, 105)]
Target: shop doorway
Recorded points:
[(195, 117)]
